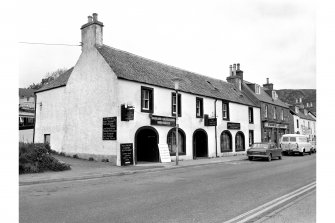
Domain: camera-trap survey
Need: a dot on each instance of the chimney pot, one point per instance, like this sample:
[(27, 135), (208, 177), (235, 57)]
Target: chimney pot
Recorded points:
[(238, 66), (230, 70), (89, 18), (267, 80), (234, 69), (95, 17)]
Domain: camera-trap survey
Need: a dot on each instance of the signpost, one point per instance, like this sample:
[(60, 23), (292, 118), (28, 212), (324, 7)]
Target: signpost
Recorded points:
[(126, 152), (163, 121), (233, 125), (109, 125)]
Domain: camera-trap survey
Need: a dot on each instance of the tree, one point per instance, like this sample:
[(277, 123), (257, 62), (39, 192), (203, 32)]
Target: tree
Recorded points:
[(48, 78)]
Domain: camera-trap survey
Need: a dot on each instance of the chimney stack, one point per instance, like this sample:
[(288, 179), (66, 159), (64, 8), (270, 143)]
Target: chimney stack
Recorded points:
[(268, 85), (91, 33), (95, 17), (234, 69)]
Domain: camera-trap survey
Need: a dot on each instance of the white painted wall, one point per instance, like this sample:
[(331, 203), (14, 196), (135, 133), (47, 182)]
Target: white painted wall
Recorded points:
[(50, 117), (130, 93), (90, 96), (26, 135)]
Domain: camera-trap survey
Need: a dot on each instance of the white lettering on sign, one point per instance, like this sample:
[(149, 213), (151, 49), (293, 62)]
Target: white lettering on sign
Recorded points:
[(164, 153)]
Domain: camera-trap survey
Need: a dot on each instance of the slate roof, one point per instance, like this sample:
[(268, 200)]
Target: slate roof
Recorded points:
[(58, 82), (264, 97), (136, 68), (26, 92)]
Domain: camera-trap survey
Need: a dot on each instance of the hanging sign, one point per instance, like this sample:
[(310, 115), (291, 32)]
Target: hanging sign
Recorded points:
[(210, 121), (233, 125), (126, 152), (127, 113), (109, 128), (162, 120)]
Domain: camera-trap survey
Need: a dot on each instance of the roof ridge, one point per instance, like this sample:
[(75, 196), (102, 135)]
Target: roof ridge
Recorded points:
[(154, 61)]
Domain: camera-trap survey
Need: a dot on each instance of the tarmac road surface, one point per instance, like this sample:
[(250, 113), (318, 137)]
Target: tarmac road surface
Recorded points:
[(211, 193)]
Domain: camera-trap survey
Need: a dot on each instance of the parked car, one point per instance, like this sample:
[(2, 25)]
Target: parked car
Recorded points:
[(295, 143), (268, 150)]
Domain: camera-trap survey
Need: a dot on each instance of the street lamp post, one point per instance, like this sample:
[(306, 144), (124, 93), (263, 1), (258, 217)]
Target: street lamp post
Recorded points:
[(176, 87)]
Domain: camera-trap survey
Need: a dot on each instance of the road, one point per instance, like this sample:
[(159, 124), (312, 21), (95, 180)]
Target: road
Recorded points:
[(210, 193)]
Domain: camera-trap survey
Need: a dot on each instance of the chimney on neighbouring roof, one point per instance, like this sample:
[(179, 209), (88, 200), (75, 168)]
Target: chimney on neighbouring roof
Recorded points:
[(235, 76), (268, 85), (91, 33), (239, 72)]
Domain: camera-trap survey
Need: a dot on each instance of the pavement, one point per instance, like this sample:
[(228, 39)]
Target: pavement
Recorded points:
[(84, 169)]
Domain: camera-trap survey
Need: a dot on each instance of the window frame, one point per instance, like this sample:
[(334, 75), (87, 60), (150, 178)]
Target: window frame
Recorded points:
[(150, 109), (173, 95), (257, 89), (274, 112), (282, 115), (227, 111), (228, 133), (266, 110), (201, 108), (251, 115), (169, 137)]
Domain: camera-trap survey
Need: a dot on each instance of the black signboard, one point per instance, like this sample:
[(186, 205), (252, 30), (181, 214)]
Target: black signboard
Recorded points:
[(127, 113), (109, 128), (126, 150), (162, 120), (233, 125), (210, 121)]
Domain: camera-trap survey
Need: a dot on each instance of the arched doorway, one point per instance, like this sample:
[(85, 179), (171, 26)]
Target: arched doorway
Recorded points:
[(226, 141), (200, 145), (146, 144), (171, 141), (239, 142)]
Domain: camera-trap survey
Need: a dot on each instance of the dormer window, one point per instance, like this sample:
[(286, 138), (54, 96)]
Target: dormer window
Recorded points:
[(258, 89), (297, 110)]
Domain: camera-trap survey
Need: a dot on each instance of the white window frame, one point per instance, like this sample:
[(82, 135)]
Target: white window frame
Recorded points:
[(224, 110), (146, 98), (258, 89), (266, 111)]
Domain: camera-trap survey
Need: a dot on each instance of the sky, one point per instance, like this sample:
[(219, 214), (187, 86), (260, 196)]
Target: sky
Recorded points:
[(270, 39)]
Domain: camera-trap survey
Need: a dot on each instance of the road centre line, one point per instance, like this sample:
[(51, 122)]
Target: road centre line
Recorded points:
[(267, 206)]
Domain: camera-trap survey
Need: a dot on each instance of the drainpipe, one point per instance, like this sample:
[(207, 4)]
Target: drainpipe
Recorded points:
[(216, 144), (35, 97)]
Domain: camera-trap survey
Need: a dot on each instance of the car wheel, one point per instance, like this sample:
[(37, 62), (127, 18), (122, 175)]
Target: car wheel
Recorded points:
[(302, 153), (250, 158), (310, 152), (279, 157), (269, 157)]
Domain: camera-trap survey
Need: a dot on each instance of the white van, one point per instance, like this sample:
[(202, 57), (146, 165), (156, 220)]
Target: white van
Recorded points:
[(295, 143)]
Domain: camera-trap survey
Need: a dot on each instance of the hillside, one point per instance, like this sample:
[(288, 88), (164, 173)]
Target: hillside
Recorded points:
[(307, 96)]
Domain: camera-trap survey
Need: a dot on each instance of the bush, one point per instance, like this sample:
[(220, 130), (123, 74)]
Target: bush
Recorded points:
[(90, 159), (75, 156), (105, 160), (34, 158)]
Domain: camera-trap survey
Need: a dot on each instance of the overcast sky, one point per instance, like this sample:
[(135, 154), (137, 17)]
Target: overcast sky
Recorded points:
[(274, 39)]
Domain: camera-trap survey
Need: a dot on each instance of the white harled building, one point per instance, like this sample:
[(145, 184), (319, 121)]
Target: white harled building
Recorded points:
[(112, 99)]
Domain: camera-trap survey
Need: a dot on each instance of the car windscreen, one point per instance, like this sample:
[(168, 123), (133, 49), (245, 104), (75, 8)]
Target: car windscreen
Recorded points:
[(260, 145), (285, 139), (293, 139)]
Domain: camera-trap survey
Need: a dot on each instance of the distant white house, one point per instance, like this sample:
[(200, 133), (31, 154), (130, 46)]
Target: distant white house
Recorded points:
[(112, 98), (26, 114), (304, 122)]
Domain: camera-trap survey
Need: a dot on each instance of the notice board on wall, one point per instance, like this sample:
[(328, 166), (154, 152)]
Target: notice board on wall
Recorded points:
[(126, 152), (109, 126), (164, 153)]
